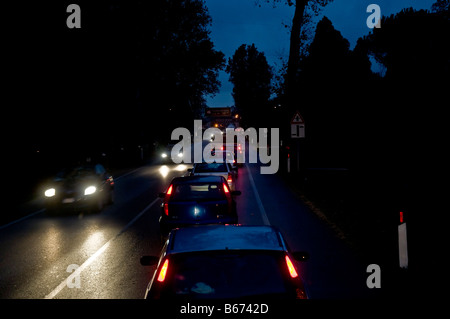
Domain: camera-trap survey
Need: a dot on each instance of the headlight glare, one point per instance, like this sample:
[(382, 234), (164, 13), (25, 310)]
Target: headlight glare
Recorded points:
[(90, 190), (50, 192)]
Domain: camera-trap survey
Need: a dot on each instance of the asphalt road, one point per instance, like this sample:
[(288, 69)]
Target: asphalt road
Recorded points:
[(97, 255)]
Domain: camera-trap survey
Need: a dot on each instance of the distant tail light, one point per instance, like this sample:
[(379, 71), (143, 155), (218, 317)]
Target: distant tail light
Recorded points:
[(166, 199), (229, 178), (163, 271), (291, 267), (110, 180)]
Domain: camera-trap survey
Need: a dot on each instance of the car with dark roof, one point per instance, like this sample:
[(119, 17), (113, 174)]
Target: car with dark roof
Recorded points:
[(222, 262), (85, 187), (194, 200)]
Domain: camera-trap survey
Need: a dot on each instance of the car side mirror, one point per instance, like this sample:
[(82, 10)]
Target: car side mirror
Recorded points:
[(236, 192), (300, 255), (149, 260), (162, 195)]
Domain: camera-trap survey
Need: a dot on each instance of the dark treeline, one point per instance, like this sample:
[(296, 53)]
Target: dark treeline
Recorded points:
[(109, 90), (379, 104), (377, 110)]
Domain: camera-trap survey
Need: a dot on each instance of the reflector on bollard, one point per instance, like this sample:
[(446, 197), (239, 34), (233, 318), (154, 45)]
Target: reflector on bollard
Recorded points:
[(402, 246)]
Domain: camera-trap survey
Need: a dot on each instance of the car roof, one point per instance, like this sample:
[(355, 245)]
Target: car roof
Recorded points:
[(198, 178), (225, 237)]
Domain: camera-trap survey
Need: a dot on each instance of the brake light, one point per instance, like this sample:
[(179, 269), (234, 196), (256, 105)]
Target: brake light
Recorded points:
[(166, 204), (225, 189), (229, 178), (291, 267), (169, 190), (163, 272)]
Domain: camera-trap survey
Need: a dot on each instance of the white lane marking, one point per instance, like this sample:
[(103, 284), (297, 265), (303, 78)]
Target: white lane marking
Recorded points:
[(77, 272), (23, 218), (258, 199)]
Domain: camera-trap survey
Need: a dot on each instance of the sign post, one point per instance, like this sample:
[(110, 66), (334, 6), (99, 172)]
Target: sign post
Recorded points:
[(297, 126), (297, 132)]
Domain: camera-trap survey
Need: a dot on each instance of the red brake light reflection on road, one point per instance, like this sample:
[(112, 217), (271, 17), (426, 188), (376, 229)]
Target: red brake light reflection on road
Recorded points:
[(291, 267), (166, 209), (163, 272)]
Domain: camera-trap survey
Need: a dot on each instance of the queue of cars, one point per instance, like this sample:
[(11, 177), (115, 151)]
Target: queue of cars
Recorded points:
[(207, 254)]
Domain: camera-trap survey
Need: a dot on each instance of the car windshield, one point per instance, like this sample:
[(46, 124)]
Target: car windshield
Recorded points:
[(227, 156), (198, 191), (227, 274), (211, 167), (75, 173)]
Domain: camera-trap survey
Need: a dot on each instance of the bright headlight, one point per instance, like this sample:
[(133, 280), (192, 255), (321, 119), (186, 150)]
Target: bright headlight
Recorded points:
[(90, 190), (50, 192), (163, 155)]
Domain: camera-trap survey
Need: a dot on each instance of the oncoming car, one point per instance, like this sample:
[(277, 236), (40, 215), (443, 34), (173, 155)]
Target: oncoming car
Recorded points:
[(87, 187), (226, 262)]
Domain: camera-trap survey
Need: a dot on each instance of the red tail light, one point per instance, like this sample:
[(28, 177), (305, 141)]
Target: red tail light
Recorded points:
[(229, 178), (225, 189), (291, 267), (169, 190), (163, 272), (166, 204)]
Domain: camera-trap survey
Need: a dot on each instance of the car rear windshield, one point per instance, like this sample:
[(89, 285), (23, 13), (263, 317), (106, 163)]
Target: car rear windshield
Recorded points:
[(227, 274), (210, 167), (198, 191)]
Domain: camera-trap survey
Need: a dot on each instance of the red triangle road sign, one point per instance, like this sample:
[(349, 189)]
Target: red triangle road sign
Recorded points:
[(297, 119)]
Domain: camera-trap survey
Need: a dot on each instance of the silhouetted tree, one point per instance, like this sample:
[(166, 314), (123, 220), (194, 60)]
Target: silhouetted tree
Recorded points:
[(442, 6), (304, 10), (414, 48), (177, 60), (251, 76), (330, 79), (133, 71)]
